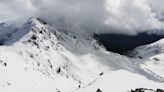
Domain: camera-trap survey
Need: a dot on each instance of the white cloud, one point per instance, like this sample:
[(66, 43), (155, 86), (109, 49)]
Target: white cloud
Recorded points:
[(132, 15), (90, 15)]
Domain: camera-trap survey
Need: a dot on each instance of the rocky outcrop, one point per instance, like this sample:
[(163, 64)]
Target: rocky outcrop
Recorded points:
[(146, 90)]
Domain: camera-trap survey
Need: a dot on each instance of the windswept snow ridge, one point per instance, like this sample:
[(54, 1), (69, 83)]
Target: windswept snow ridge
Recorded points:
[(40, 58)]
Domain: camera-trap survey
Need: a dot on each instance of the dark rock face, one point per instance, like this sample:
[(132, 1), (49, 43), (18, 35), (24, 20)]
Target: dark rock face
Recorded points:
[(98, 90), (120, 43), (160, 90), (146, 90), (142, 90)]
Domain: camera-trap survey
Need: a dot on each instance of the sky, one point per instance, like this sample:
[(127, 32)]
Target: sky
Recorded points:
[(118, 16)]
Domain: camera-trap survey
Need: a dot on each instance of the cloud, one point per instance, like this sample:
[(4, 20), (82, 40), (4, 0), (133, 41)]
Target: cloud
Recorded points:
[(16, 9), (131, 15), (76, 15), (119, 16)]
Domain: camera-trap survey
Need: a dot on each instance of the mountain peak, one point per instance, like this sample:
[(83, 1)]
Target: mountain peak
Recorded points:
[(35, 21), (33, 26)]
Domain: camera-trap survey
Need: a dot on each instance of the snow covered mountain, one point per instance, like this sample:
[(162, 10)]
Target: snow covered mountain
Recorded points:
[(151, 56), (40, 58)]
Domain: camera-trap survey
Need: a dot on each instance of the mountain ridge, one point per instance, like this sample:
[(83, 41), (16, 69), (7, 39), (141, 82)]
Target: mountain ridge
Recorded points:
[(49, 59)]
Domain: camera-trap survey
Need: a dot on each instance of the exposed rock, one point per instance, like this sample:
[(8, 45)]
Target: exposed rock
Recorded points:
[(101, 74), (160, 90), (98, 90), (58, 70), (146, 90)]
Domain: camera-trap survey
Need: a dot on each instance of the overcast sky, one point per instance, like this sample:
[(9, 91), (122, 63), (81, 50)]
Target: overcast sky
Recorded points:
[(127, 16)]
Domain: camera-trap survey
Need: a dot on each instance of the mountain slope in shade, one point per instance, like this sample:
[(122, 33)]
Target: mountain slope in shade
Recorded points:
[(41, 58), (6, 32)]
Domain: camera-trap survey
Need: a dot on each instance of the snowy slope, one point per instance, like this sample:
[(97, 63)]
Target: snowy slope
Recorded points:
[(41, 58), (121, 81), (151, 56)]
